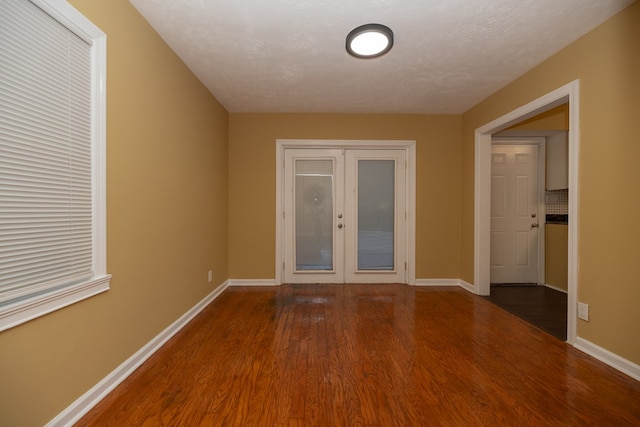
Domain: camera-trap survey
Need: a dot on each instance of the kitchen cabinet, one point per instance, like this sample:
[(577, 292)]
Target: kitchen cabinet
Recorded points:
[(557, 161)]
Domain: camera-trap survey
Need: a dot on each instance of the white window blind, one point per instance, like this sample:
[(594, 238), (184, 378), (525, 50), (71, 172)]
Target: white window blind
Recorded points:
[(48, 185)]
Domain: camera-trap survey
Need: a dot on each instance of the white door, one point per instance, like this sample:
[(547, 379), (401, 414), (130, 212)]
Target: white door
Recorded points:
[(344, 216), (514, 214)]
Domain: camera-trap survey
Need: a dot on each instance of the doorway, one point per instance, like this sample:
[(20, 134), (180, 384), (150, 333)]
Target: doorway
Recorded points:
[(345, 212), (519, 245), (568, 93)]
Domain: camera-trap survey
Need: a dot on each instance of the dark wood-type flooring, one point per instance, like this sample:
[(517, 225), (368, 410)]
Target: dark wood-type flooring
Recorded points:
[(541, 306), (366, 355)]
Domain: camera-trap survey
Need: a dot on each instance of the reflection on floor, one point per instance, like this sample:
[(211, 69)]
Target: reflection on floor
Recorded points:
[(541, 306)]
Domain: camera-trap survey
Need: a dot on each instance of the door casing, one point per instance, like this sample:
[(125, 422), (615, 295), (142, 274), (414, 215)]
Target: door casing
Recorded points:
[(409, 146), (567, 94)]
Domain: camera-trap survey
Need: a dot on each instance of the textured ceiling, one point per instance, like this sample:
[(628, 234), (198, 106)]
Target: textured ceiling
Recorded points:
[(289, 55)]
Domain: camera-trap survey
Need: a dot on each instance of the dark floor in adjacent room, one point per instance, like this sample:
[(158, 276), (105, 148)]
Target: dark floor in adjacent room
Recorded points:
[(541, 306)]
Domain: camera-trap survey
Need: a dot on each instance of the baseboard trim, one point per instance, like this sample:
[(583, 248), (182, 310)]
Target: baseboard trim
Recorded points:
[(617, 362), (252, 282), (564, 291), (84, 403), (437, 282), (446, 282)]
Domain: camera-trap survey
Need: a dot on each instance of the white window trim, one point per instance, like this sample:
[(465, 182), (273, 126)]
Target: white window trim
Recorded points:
[(22, 311)]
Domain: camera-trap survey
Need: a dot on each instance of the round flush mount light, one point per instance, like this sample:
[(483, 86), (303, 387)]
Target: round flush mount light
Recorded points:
[(369, 41)]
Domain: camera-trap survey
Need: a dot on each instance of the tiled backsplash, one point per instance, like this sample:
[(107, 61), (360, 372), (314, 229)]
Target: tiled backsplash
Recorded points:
[(557, 202)]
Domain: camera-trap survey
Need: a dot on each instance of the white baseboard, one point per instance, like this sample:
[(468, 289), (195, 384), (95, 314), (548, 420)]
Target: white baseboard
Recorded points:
[(437, 282), (564, 291), (252, 282), (84, 403), (446, 282), (468, 286), (621, 364)]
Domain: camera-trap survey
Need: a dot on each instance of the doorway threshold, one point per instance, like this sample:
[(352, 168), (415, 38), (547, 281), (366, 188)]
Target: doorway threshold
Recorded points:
[(541, 306)]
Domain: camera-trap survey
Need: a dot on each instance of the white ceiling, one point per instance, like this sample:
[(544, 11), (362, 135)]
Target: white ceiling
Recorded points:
[(289, 55)]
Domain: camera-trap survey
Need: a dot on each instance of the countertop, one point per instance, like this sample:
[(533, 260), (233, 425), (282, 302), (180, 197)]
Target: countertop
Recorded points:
[(557, 219)]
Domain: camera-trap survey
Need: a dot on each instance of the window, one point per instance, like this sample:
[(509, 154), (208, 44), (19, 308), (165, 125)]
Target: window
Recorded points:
[(52, 159)]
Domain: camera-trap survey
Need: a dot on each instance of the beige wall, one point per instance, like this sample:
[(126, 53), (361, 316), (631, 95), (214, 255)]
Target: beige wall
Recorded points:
[(167, 218), (554, 119), (607, 62), (556, 259), (252, 177)]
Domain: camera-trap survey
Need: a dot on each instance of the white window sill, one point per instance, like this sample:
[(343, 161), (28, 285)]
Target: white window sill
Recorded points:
[(23, 311)]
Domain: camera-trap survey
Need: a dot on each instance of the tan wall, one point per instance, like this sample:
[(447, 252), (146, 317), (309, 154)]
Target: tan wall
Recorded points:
[(554, 119), (556, 260), (252, 177), (167, 214), (607, 62)]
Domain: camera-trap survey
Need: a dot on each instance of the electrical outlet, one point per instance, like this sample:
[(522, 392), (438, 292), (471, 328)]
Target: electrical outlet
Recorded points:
[(210, 276), (583, 311)]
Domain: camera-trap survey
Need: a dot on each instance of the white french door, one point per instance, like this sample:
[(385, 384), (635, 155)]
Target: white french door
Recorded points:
[(344, 216)]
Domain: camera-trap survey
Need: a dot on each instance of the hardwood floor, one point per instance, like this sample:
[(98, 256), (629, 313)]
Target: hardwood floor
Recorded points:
[(541, 306), (366, 355)]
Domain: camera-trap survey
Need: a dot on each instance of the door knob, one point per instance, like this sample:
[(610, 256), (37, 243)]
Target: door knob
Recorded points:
[(339, 215), (340, 226), (535, 225), (533, 215)]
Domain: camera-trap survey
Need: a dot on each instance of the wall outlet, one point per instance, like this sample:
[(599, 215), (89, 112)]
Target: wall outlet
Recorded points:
[(210, 276), (583, 311)]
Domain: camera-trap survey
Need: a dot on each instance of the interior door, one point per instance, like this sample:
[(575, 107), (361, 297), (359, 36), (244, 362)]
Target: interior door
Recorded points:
[(344, 216), (514, 214)]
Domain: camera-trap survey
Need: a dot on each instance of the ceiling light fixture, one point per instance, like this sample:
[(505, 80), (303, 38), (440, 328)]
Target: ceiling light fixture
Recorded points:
[(370, 41)]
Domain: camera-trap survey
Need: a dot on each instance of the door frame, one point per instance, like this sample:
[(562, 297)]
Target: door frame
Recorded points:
[(567, 94), (409, 146), (541, 143)]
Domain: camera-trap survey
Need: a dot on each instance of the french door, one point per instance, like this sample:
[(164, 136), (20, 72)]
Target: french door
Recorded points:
[(344, 216)]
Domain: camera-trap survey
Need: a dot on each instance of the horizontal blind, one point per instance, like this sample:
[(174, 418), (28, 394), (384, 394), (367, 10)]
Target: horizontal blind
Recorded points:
[(46, 230)]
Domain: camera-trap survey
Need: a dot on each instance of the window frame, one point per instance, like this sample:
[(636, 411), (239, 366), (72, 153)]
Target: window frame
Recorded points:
[(23, 310)]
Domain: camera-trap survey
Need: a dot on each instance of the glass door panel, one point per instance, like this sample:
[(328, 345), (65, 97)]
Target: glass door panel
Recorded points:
[(313, 203), (314, 214), (376, 214), (375, 209)]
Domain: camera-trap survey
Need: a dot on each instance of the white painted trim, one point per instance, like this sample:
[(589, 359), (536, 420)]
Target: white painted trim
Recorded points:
[(564, 291), (408, 145), (468, 286), (437, 282), (482, 183), (46, 302), (23, 311), (445, 282), (252, 282), (574, 218), (411, 189), (84, 403), (621, 364), (67, 15)]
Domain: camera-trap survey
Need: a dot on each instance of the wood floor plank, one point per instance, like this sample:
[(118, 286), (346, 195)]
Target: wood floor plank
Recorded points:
[(366, 355)]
